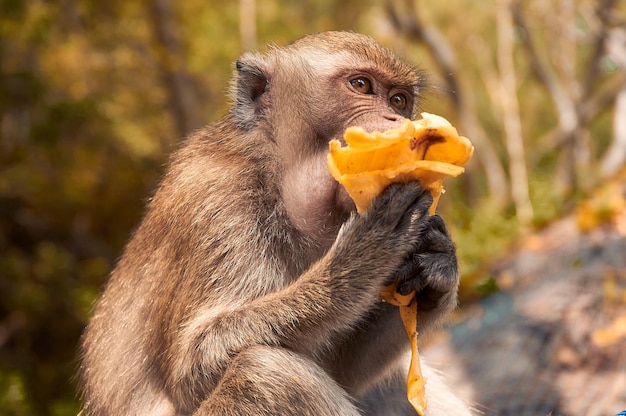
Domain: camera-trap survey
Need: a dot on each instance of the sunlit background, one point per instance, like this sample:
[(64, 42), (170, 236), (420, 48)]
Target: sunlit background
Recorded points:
[(94, 95)]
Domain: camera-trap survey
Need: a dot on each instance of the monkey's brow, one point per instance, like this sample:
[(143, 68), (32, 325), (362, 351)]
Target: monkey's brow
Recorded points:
[(390, 70), (388, 66), (408, 78)]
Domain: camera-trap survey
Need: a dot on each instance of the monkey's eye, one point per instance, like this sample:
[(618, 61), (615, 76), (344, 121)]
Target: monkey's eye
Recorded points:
[(398, 101), (362, 85)]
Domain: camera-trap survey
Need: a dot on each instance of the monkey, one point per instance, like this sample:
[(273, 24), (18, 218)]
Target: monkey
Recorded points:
[(251, 286)]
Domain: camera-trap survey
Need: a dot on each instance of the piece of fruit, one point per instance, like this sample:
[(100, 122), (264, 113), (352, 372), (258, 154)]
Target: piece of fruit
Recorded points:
[(425, 150)]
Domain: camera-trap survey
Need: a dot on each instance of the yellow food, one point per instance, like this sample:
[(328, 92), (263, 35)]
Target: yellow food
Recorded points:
[(426, 151), (416, 383)]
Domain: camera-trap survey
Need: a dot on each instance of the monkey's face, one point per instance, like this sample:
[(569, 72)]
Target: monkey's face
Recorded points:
[(340, 94), (311, 91)]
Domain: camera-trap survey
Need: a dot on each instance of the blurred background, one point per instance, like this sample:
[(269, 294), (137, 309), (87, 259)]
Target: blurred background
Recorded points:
[(94, 95)]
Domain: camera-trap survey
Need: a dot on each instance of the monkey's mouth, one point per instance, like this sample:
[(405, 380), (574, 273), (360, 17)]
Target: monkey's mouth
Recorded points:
[(425, 150)]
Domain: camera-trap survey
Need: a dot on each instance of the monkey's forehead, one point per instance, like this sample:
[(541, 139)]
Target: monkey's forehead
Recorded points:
[(355, 43), (336, 40), (369, 56)]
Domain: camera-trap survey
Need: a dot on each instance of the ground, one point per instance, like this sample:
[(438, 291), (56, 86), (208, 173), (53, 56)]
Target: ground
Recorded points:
[(553, 340)]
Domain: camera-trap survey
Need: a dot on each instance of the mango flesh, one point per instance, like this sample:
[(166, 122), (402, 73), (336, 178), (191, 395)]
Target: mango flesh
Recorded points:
[(425, 150)]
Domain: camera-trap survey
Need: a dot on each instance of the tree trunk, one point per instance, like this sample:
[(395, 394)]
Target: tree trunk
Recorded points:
[(615, 156), (176, 80), (510, 111), (247, 24)]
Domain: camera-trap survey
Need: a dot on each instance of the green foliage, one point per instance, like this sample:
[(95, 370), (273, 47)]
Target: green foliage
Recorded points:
[(13, 398), (70, 191), (481, 232), (487, 287), (547, 203), (85, 127)]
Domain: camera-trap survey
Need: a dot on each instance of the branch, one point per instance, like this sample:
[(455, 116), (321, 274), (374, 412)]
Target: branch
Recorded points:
[(409, 24), (510, 110), (603, 12), (603, 98), (175, 78), (615, 155), (566, 110)]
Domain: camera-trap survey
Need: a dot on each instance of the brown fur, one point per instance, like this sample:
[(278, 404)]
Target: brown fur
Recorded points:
[(251, 287)]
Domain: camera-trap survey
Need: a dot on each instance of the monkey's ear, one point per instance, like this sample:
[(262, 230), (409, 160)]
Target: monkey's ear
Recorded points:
[(250, 89)]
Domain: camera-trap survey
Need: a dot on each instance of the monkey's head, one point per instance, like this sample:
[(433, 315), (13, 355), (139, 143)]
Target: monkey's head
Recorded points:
[(301, 96)]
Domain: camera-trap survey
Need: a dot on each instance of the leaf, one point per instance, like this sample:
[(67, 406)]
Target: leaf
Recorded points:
[(488, 287), (611, 334)]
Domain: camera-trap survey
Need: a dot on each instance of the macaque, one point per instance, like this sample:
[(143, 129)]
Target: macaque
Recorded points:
[(251, 286)]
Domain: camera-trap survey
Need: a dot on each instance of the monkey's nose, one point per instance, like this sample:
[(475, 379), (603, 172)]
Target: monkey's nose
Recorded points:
[(393, 117), (393, 120)]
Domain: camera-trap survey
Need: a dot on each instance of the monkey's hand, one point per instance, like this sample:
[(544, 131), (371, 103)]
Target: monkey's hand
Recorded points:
[(431, 270), (373, 246)]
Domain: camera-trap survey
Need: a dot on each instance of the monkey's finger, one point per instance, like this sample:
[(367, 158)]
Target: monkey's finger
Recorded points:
[(439, 225), (435, 237), (428, 300), (429, 271), (420, 207), (413, 218), (408, 271), (392, 205)]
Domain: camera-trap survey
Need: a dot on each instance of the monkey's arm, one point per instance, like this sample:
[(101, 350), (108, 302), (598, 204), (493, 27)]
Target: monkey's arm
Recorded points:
[(327, 300), (371, 352)]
